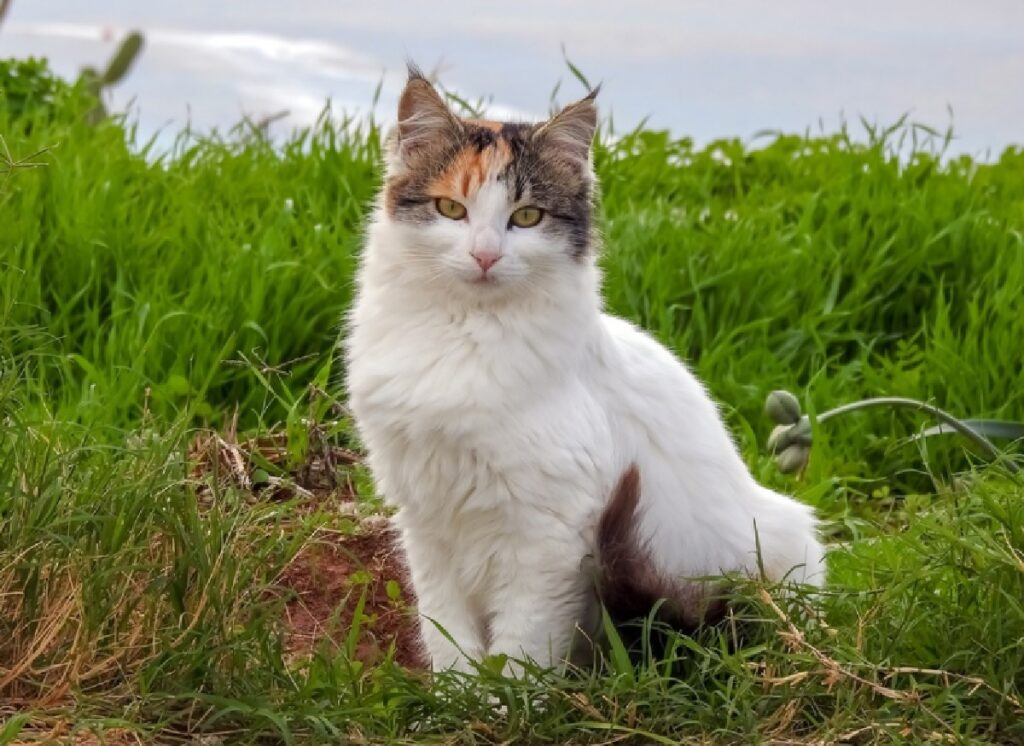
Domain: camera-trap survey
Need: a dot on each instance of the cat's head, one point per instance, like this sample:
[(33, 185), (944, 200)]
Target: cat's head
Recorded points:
[(485, 207)]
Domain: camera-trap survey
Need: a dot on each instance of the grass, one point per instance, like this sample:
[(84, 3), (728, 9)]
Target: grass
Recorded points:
[(143, 297)]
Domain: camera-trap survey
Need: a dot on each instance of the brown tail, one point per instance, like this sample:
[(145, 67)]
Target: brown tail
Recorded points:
[(628, 582)]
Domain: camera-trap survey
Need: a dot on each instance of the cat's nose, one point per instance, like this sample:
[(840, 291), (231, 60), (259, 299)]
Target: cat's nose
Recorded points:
[(486, 258), (486, 247)]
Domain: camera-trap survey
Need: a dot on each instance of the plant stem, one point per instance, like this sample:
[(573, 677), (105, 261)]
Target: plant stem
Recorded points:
[(897, 401)]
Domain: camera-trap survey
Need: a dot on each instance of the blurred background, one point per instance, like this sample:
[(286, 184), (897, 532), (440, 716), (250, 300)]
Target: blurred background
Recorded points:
[(699, 68)]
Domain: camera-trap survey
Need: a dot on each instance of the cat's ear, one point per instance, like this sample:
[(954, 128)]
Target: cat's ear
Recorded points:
[(572, 129), (423, 116)]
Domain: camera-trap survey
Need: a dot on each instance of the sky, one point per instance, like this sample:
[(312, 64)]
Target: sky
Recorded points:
[(701, 68)]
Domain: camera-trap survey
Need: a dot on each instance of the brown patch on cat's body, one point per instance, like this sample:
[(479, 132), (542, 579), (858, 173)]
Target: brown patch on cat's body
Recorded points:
[(629, 584)]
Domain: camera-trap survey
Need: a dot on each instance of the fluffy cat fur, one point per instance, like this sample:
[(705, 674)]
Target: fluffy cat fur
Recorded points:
[(518, 429)]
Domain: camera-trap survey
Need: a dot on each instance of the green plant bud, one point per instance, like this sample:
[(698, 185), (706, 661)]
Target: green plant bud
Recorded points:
[(801, 432), (793, 459), (782, 407), (779, 438)]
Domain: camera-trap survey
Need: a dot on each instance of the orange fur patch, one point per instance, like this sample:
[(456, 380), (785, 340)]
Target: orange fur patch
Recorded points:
[(471, 169)]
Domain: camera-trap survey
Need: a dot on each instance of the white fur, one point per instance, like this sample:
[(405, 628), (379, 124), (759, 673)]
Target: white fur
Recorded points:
[(499, 415)]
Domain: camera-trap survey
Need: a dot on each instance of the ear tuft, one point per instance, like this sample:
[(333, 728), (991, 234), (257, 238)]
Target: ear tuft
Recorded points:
[(423, 116), (572, 129), (415, 73)]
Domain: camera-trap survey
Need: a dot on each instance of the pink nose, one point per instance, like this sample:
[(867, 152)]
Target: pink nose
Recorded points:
[(486, 259)]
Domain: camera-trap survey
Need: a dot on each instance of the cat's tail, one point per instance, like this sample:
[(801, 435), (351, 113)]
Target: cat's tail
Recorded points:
[(629, 584)]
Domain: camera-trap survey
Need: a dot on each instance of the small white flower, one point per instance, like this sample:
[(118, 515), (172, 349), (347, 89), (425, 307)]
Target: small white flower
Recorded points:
[(718, 155), (289, 204)]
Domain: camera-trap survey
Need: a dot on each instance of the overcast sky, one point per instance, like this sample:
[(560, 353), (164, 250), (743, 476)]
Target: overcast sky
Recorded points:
[(701, 68)]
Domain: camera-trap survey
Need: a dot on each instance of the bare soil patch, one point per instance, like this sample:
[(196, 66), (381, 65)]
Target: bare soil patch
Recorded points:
[(333, 574), (338, 570)]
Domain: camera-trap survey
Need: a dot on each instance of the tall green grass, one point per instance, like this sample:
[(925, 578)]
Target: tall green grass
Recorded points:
[(143, 295)]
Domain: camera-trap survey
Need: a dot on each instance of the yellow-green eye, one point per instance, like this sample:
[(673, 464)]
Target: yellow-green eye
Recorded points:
[(526, 217), (450, 208)]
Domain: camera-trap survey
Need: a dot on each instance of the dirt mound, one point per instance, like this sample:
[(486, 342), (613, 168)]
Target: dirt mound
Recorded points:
[(334, 574), (341, 579)]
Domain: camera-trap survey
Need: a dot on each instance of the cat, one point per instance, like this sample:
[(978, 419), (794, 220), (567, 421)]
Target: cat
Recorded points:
[(522, 433)]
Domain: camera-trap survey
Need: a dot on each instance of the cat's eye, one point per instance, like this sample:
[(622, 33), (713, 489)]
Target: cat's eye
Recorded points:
[(526, 217), (450, 208)]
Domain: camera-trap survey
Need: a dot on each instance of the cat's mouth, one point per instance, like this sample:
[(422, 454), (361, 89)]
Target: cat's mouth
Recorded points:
[(484, 280)]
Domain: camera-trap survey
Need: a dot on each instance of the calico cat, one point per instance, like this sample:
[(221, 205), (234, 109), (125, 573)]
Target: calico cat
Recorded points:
[(518, 429)]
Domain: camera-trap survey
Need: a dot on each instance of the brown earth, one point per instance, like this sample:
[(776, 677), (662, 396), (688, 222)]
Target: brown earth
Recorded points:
[(337, 569), (332, 574)]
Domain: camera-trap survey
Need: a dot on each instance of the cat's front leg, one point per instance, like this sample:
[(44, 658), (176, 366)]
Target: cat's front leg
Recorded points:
[(450, 626), (535, 614)]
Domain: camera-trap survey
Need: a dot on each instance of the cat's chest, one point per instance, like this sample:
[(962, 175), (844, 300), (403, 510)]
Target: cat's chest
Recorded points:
[(550, 430), (546, 457), (430, 370), (541, 451), (476, 413)]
